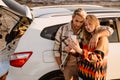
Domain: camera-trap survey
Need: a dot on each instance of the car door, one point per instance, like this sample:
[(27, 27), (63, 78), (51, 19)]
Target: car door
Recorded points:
[(114, 54), (113, 71)]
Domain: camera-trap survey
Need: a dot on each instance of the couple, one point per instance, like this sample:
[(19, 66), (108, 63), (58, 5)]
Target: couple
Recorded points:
[(88, 52)]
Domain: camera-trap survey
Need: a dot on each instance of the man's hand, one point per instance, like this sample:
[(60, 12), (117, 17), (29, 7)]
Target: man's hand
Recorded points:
[(75, 46), (93, 41), (68, 49)]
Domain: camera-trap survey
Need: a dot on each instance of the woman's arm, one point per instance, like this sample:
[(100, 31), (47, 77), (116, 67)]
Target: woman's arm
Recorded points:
[(100, 52), (103, 44), (104, 31)]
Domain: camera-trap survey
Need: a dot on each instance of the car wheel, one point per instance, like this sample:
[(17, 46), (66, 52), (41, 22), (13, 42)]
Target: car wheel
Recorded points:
[(54, 75)]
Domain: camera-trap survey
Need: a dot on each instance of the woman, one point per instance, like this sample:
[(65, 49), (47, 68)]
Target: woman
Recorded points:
[(93, 62)]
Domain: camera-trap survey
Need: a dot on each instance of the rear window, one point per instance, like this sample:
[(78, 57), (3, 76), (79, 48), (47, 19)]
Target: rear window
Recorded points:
[(50, 32)]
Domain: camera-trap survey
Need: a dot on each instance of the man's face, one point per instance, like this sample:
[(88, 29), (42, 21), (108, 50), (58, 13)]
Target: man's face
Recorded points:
[(77, 21)]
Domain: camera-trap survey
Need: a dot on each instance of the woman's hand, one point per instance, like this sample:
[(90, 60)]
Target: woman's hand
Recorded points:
[(93, 41)]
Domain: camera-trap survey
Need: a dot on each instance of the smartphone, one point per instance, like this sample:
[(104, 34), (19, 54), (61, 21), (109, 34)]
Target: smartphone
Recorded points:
[(73, 37)]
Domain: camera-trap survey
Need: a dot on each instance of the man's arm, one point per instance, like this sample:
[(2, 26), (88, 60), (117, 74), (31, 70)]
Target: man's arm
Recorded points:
[(57, 46), (104, 31)]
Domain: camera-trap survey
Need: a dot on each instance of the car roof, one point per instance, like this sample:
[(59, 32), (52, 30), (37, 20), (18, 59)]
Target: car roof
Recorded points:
[(40, 12), (64, 10)]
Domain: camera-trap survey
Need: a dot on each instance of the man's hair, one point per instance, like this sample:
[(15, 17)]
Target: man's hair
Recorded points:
[(80, 12)]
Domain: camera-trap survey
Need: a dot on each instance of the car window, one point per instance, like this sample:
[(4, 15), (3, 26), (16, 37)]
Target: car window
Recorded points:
[(19, 29), (49, 32), (111, 22)]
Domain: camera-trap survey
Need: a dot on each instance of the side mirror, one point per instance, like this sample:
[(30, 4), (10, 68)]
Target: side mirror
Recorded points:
[(1, 36)]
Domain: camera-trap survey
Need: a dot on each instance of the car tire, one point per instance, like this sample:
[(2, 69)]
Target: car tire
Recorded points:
[(54, 75)]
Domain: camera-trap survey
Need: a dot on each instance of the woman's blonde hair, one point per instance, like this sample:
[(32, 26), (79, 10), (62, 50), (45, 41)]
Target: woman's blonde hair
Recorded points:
[(94, 21)]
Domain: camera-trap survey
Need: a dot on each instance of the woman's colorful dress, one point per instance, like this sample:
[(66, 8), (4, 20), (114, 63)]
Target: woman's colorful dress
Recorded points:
[(92, 69)]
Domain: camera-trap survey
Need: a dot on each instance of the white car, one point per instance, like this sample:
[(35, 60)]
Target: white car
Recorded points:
[(34, 59)]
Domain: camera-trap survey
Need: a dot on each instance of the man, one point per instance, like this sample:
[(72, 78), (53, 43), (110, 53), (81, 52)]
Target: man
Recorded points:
[(61, 48)]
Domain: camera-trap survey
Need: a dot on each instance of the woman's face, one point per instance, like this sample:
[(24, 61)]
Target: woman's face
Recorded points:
[(89, 26)]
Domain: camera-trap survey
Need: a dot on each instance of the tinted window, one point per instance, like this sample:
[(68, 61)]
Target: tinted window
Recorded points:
[(111, 22), (49, 32)]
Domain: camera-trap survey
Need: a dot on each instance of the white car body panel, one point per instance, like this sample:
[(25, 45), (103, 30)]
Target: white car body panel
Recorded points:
[(38, 12), (42, 60), (113, 58)]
